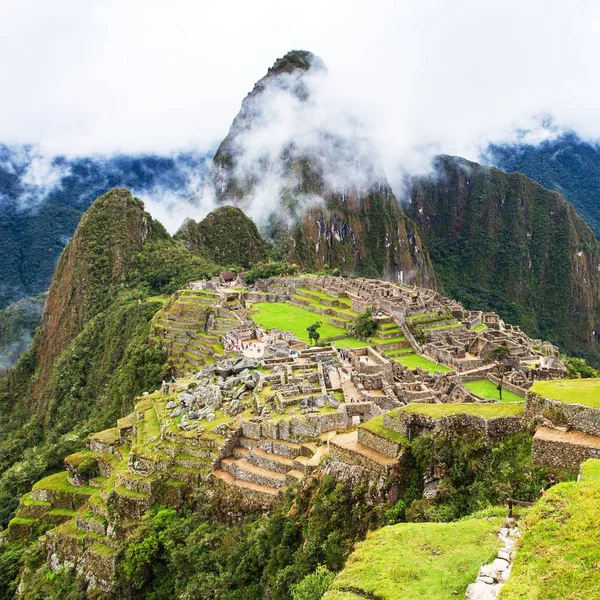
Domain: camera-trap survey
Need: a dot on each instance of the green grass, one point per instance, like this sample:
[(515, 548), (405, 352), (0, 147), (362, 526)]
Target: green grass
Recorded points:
[(559, 553), (417, 561), (382, 342), (479, 327), (376, 427), (412, 361), (287, 317), (60, 483), (344, 301), (488, 410), (486, 389), (590, 470), (350, 342), (578, 391), (440, 327)]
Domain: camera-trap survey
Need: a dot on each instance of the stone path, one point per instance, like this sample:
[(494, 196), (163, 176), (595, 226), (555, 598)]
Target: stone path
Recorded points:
[(492, 576), (349, 389)]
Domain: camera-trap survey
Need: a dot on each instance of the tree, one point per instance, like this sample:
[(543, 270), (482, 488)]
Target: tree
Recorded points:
[(365, 325), (313, 334), (499, 355)]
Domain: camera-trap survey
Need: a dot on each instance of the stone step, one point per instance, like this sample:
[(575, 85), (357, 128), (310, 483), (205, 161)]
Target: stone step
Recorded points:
[(248, 485), (246, 471), (240, 452), (307, 464), (346, 448), (268, 460), (293, 476)]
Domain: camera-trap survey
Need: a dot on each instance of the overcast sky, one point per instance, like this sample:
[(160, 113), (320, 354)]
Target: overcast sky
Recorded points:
[(87, 76)]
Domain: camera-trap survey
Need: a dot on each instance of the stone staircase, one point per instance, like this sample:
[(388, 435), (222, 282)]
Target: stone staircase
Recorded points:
[(266, 466)]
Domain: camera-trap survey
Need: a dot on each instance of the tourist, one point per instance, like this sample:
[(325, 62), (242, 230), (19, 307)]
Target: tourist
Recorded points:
[(551, 482)]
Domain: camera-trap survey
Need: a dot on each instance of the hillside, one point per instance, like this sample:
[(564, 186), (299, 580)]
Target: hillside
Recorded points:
[(93, 352), (566, 164), (503, 242), (318, 191), (213, 237), (42, 199)]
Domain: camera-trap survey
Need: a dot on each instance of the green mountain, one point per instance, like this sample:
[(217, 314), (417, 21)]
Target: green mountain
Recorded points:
[(502, 242), (321, 196), (566, 164), (92, 353), (213, 237)]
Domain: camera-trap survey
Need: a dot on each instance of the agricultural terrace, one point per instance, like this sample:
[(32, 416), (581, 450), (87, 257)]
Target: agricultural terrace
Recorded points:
[(577, 391), (417, 561), (484, 388), (488, 410), (412, 361)]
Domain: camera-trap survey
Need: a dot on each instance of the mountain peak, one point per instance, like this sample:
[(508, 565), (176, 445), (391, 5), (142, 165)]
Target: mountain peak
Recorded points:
[(297, 60)]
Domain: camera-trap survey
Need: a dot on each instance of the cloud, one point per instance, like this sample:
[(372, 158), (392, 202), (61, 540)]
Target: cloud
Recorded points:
[(421, 77)]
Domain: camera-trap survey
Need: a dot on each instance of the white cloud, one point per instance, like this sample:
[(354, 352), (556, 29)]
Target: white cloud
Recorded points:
[(423, 76)]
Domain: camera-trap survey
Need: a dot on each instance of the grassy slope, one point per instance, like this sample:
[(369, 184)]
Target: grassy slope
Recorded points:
[(414, 360), (486, 389), (580, 391), (559, 556), (417, 561), (488, 410)]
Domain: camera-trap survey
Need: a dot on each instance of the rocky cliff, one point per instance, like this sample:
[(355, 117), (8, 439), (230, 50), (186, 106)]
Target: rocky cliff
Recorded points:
[(503, 242), (314, 181)]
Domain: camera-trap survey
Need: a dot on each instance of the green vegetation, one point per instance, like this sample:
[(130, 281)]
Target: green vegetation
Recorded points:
[(365, 325), (579, 367), (477, 247), (486, 389), (488, 410), (412, 361), (561, 539), (270, 269), (578, 391), (418, 561), (376, 426), (287, 317), (313, 332), (226, 236), (350, 342)]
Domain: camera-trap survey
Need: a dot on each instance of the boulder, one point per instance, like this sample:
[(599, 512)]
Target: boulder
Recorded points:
[(185, 399), (171, 405), (245, 363), (207, 395), (177, 412)]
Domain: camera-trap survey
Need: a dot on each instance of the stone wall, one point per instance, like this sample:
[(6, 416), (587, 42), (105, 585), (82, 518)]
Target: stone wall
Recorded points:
[(577, 416), (383, 445), (414, 424), (507, 384), (563, 452)]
